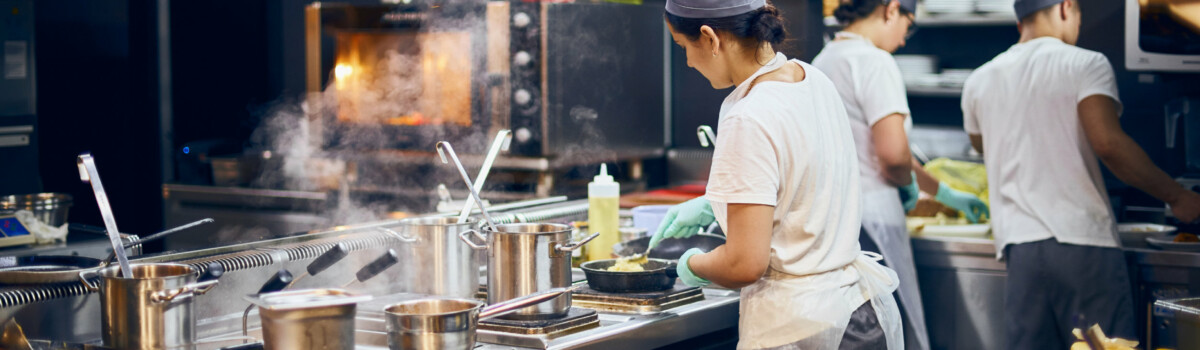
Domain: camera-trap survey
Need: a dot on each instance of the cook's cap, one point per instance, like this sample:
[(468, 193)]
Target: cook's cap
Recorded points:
[(713, 8), (1028, 7)]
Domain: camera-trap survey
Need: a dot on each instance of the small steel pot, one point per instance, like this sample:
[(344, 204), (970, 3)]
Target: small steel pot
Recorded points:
[(437, 324), (527, 258), (151, 310)]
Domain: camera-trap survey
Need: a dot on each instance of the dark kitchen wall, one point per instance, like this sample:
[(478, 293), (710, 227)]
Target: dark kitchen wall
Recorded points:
[(219, 69), (96, 92)]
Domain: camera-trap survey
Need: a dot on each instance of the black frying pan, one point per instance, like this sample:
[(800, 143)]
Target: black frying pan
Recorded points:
[(658, 275), (670, 248)]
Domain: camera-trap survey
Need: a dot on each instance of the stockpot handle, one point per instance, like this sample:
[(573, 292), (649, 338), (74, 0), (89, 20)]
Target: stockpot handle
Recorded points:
[(84, 275), (199, 288), (465, 237), (397, 234), (576, 245)]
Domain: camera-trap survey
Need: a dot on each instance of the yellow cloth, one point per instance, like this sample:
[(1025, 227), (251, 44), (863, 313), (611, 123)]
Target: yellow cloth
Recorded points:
[(968, 177)]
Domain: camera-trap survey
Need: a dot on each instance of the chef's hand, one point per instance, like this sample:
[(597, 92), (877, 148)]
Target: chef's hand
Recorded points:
[(910, 193), (962, 201), (684, 220), (1187, 207), (685, 272)]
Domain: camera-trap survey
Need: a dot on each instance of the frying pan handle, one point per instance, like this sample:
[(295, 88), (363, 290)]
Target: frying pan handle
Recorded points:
[(84, 275), (464, 236), (576, 245), (672, 270), (167, 296)]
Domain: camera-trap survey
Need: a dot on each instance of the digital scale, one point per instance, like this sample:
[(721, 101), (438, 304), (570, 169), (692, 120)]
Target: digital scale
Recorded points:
[(13, 233)]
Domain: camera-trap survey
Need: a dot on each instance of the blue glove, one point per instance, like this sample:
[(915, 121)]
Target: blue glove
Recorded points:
[(962, 201), (910, 193), (685, 272), (684, 220)]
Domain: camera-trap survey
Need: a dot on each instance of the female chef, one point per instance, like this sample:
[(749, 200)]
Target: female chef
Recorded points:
[(784, 187), (860, 64)]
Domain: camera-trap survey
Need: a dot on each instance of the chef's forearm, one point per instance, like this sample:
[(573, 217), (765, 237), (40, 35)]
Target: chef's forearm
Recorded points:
[(1130, 163), (720, 268), (747, 250)]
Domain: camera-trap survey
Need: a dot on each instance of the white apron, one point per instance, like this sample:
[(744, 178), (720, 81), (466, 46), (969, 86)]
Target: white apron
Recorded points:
[(883, 220), (783, 311)]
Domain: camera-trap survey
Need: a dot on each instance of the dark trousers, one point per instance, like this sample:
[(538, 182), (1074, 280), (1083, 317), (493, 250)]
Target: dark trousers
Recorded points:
[(863, 332), (1050, 285)]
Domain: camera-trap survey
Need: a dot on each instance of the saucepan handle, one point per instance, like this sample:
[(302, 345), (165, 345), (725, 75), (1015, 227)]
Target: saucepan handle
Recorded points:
[(576, 245), (84, 275), (398, 235), (199, 288), (465, 236)]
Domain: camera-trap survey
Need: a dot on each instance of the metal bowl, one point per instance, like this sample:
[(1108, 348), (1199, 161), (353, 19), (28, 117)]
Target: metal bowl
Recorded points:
[(50, 208)]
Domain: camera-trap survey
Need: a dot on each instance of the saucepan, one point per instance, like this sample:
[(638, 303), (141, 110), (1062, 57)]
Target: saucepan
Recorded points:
[(427, 324), (656, 275)]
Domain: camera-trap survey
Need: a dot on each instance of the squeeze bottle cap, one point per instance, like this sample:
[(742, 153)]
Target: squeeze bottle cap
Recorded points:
[(603, 177)]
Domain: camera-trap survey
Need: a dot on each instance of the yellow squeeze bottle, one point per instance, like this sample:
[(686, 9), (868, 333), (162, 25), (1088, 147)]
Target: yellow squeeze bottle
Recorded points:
[(603, 201)]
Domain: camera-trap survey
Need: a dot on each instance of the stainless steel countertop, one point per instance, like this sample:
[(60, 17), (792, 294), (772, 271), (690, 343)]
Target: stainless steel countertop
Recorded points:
[(986, 247)]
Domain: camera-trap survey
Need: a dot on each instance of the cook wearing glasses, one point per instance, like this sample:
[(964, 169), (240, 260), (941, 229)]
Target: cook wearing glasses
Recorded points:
[(860, 64)]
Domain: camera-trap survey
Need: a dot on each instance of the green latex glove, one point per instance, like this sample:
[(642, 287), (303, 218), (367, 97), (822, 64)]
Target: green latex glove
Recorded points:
[(685, 272), (910, 193), (962, 201), (684, 220)]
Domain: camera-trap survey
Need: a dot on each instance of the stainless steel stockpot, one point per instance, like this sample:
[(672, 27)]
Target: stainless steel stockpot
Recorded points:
[(151, 310), (441, 264), (527, 258)]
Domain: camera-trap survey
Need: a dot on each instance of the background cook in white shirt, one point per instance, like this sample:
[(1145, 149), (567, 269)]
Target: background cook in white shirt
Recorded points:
[(1042, 113), (783, 186), (860, 63)]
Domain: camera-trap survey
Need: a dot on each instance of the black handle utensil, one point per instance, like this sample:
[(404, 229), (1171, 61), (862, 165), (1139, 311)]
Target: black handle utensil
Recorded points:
[(383, 262)]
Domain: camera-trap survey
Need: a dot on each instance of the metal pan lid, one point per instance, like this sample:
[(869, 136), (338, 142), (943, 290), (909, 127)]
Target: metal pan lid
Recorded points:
[(306, 298)]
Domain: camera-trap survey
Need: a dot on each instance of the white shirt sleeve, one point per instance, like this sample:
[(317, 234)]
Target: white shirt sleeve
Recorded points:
[(881, 89), (970, 121), (745, 167), (1098, 79)]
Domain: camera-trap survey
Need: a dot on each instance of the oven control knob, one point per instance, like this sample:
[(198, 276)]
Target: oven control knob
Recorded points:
[(523, 135), (522, 58), (521, 19), (522, 97)]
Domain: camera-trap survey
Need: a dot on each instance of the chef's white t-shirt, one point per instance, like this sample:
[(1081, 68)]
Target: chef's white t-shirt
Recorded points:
[(788, 145), (869, 82), (1044, 177)]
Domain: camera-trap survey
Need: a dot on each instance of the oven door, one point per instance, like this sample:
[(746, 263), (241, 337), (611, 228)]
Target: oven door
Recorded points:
[(398, 76)]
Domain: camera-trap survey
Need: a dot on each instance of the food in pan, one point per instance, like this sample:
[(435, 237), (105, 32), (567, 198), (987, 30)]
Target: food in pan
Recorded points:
[(1185, 237), (626, 266)]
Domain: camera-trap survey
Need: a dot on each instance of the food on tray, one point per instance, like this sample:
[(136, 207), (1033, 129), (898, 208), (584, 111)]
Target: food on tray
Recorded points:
[(929, 208), (623, 265), (1185, 237)]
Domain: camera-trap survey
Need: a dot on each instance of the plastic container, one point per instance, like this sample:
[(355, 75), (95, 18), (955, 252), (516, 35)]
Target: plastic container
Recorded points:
[(650, 216), (604, 196)]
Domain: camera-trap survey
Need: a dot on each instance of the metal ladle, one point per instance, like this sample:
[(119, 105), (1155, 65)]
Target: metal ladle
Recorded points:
[(88, 173), (501, 143), (444, 147)]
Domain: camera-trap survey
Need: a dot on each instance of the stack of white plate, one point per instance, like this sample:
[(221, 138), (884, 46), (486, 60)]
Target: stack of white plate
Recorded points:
[(918, 70), (950, 6), (955, 77), (995, 6)]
